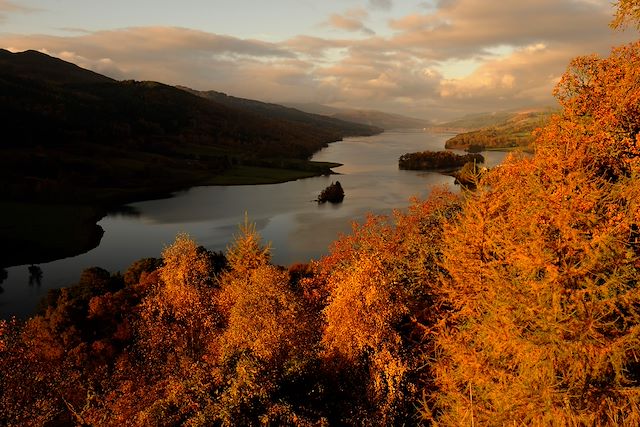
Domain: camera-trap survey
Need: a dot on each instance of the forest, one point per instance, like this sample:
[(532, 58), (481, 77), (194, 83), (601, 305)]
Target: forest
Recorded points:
[(513, 304)]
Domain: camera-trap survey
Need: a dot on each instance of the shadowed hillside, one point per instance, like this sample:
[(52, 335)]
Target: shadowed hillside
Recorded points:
[(75, 137), (73, 134)]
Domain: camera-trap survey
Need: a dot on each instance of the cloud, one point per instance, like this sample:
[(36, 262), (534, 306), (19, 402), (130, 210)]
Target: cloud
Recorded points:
[(7, 7), (104, 66), (315, 46), (352, 20), (381, 4), (179, 56), (521, 48), (466, 28), (167, 54)]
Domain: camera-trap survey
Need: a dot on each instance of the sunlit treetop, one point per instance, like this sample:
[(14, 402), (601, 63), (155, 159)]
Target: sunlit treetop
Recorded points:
[(628, 12)]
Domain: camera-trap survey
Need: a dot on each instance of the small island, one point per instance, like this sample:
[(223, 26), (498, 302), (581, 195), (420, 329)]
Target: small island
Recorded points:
[(443, 161), (333, 194)]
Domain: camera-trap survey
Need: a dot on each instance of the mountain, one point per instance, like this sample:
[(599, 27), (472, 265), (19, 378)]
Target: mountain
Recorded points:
[(502, 130), (35, 65), (477, 121), (72, 134), (386, 121), (271, 111)]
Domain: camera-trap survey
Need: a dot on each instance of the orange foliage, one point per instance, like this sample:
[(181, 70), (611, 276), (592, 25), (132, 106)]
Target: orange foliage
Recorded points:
[(627, 11), (265, 339), (378, 282), (542, 270), (178, 315), (247, 251), (600, 122)]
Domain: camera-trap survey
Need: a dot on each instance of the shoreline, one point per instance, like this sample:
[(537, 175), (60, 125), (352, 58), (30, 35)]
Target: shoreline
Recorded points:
[(41, 232)]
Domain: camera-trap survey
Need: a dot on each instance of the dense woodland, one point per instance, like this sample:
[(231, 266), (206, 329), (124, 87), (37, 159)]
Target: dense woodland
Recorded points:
[(517, 303)]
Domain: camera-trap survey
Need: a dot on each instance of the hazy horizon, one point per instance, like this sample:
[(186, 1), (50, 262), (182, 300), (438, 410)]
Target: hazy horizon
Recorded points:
[(426, 59)]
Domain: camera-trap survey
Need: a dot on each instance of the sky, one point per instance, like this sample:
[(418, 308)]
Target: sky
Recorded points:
[(434, 59)]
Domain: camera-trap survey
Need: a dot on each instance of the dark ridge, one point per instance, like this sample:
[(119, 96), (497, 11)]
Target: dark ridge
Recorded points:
[(270, 110), (37, 65)]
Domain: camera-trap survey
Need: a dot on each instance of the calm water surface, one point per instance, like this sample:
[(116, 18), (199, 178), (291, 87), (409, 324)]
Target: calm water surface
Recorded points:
[(285, 214)]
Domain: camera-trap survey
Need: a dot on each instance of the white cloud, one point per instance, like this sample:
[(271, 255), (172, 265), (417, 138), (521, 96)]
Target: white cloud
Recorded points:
[(381, 4), (7, 7)]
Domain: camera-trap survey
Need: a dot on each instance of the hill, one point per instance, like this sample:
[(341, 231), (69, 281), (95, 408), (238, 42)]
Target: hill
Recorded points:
[(513, 130), (72, 134), (517, 304), (477, 121), (38, 66), (386, 121)]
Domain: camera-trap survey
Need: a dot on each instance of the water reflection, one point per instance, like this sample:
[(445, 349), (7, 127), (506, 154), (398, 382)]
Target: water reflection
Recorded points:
[(35, 275), (126, 211)]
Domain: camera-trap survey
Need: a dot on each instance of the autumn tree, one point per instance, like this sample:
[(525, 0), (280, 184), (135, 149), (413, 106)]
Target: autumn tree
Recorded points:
[(178, 314), (378, 304), (600, 120), (266, 344), (541, 270), (56, 363), (627, 12)]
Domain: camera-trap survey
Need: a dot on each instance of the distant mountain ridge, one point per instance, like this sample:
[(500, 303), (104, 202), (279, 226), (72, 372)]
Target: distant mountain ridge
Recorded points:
[(476, 121), (271, 110), (386, 121)]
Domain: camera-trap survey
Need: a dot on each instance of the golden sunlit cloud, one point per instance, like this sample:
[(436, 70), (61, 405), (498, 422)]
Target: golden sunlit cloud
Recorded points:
[(352, 20)]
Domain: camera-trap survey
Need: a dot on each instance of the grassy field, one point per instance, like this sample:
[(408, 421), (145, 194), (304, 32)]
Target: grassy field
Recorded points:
[(250, 175)]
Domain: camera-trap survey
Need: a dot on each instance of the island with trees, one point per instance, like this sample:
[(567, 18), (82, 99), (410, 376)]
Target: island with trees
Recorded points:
[(334, 193), (443, 161)]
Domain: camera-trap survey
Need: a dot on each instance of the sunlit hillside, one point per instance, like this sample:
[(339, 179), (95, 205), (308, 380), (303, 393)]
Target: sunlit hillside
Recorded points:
[(515, 131)]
